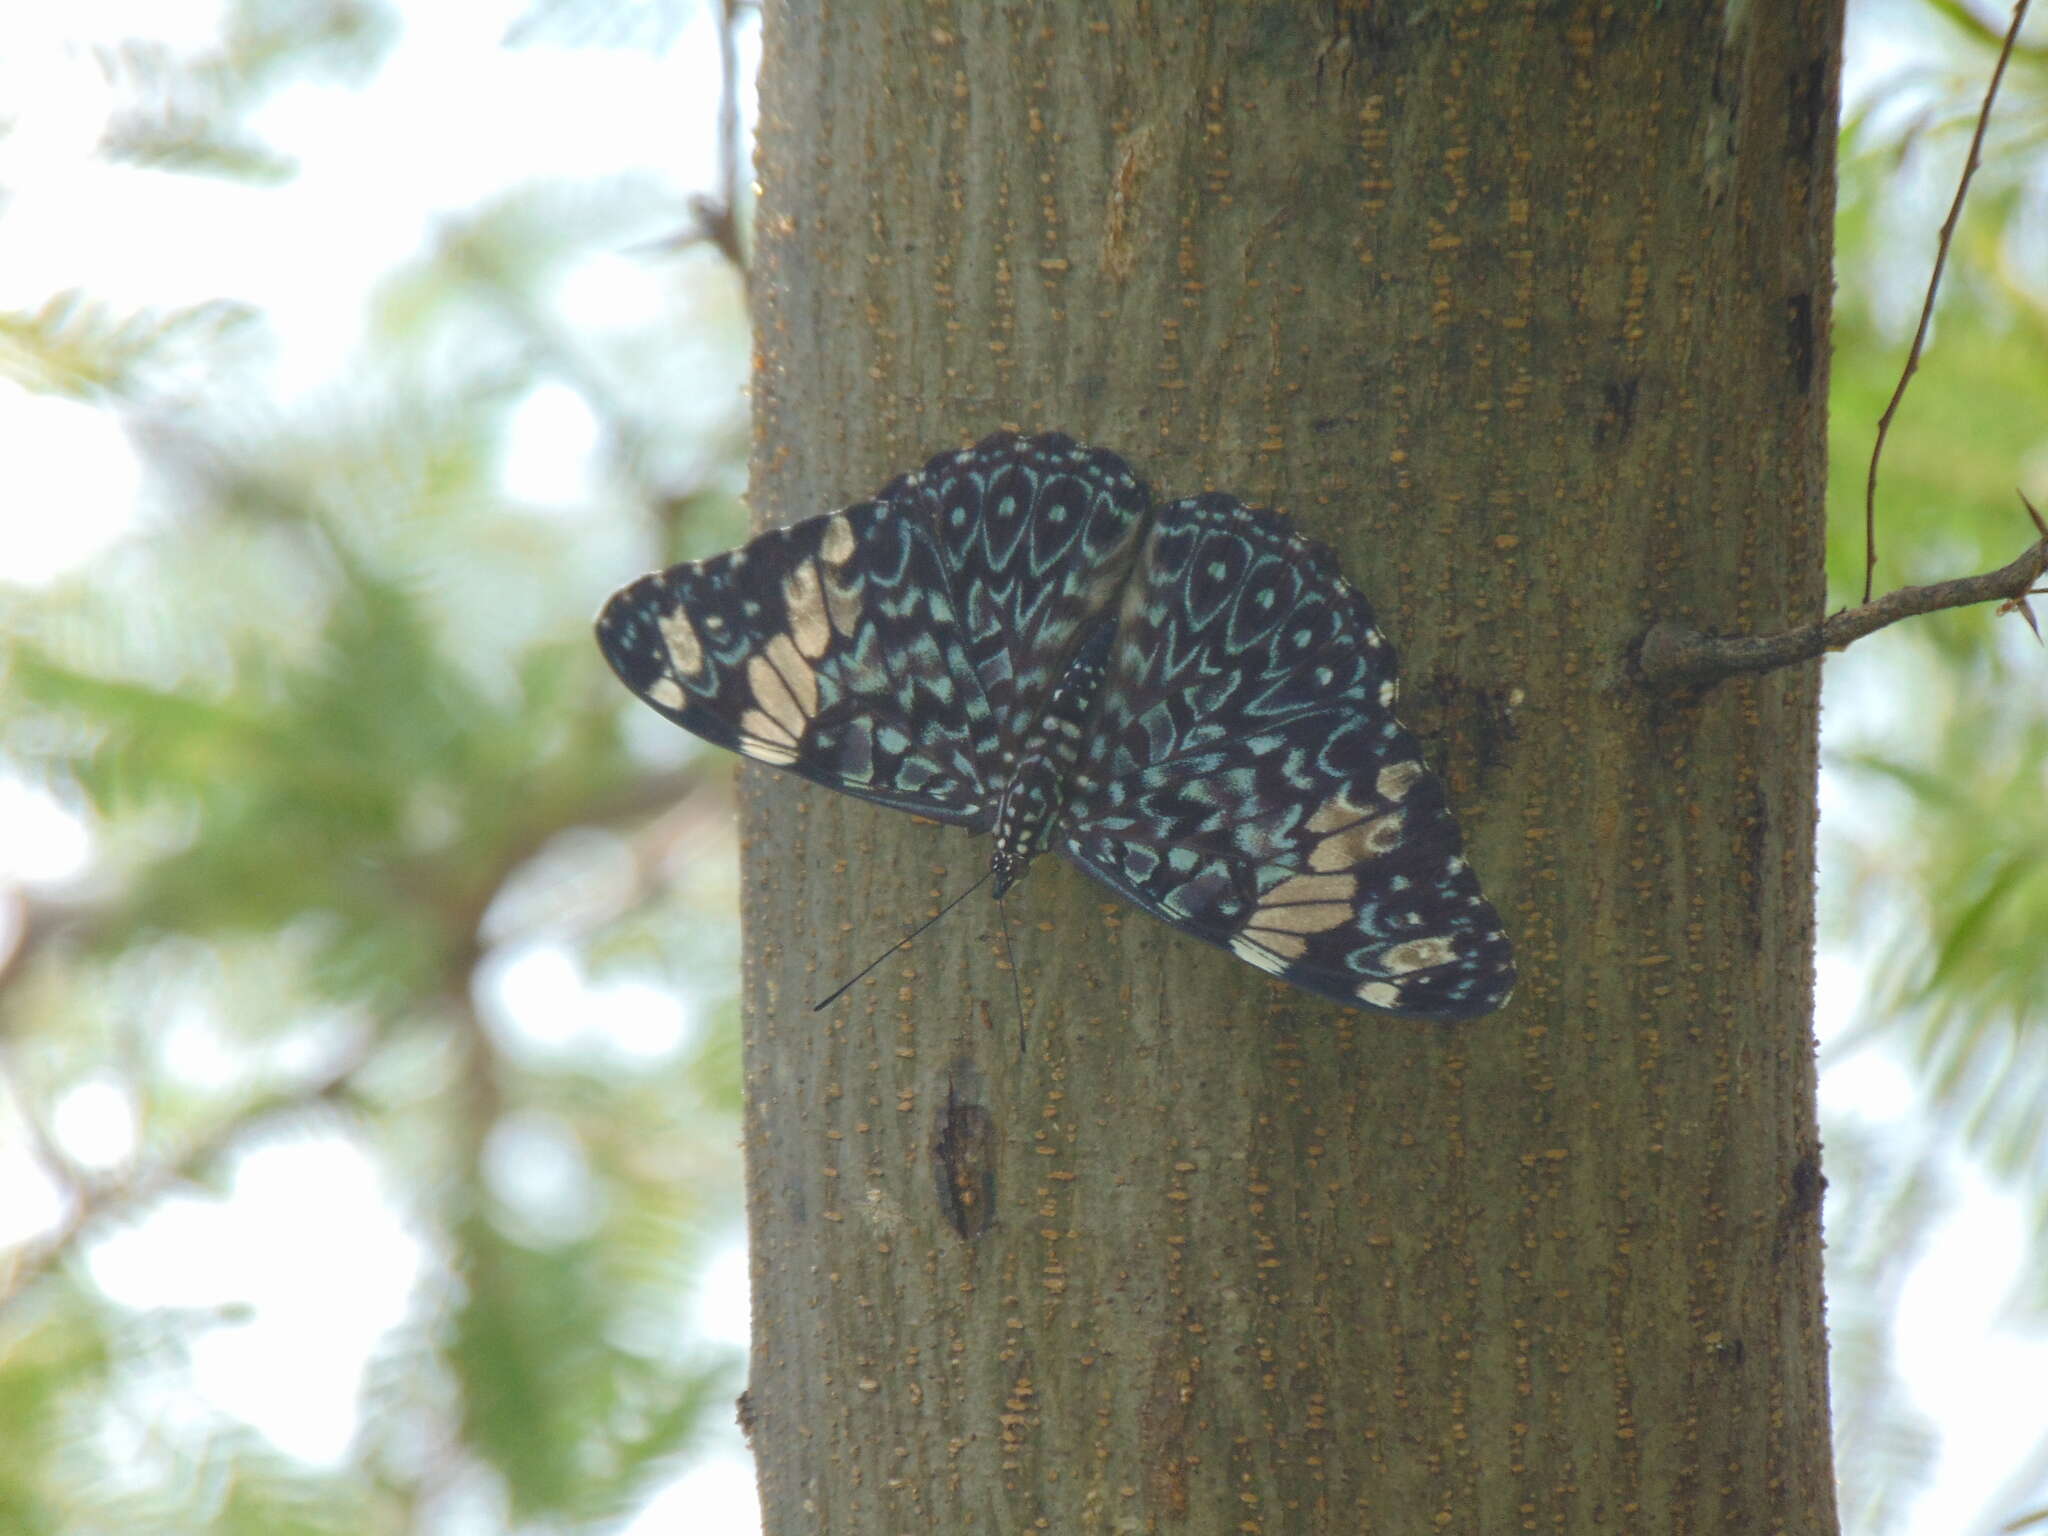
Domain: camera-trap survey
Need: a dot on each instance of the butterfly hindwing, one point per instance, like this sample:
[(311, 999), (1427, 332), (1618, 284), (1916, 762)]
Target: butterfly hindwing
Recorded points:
[(1246, 779), (1037, 536)]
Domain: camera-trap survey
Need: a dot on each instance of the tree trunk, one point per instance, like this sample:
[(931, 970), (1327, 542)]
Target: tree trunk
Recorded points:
[(1524, 310)]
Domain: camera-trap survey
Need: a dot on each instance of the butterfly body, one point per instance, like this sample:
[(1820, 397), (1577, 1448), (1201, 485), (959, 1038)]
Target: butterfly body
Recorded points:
[(1188, 701), (1037, 791)]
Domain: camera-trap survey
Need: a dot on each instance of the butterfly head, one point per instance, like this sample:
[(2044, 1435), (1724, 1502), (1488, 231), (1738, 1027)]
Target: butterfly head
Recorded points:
[(1024, 819), (1008, 866)]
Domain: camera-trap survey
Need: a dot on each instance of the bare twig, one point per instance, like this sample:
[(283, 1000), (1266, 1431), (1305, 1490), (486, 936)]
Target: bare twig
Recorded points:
[(729, 132), (92, 1203), (42, 1145), (716, 216), (1674, 654), (93, 1200), (1948, 234), (41, 921)]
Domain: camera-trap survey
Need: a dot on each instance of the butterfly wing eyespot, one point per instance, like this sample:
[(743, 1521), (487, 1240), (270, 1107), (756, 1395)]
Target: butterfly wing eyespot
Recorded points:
[(1236, 769)]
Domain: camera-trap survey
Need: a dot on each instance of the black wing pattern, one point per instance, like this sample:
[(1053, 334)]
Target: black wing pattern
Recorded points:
[(1246, 779), (891, 649), (1195, 707)]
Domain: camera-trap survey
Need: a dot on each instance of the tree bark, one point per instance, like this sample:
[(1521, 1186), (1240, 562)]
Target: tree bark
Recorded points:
[(1524, 309)]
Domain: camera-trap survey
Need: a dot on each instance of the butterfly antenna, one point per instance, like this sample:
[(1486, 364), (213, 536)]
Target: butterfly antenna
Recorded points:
[(1010, 955), (841, 990)]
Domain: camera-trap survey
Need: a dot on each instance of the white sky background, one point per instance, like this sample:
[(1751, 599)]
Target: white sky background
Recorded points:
[(378, 168)]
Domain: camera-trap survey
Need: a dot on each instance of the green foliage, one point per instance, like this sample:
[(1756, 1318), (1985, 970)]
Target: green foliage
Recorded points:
[(186, 113), (72, 345), (57, 1363), (571, 1421), (1886, 1448), (1953, 886), (1968, 432), (1938, 868), (1954, 900), (347, 752)]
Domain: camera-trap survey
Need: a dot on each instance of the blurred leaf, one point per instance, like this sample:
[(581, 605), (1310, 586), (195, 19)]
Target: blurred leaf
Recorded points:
[(570, 1421), (329, 704), (1963, 875), (1972, 431), (184, 112), (75, 345), (54, 1364), (1874, 1237)]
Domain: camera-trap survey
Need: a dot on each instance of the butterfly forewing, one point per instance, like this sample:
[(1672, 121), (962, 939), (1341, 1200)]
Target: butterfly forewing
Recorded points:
[(891, 649), (830, 648), (1247, 781), (1038, 535)]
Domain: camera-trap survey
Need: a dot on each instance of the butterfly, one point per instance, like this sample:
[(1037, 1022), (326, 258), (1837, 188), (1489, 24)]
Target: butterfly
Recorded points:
[(1187, 701)]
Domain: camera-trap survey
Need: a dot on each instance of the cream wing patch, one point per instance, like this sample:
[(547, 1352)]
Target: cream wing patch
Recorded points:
[(782, 678), (795, 672), (1401, 959), (1277, 930), (804, 596), (1270, 961), (1362, 840), (1396, 779), (785, 689), (685, 650), (837, 545), (1340, 810), (842, 597), (1417, 955)]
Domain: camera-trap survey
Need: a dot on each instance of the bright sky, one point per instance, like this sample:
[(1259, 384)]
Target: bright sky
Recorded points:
[(379, 167)]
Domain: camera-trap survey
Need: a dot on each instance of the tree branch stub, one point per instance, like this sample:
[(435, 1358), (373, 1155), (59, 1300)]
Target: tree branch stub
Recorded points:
[(1676, 655)]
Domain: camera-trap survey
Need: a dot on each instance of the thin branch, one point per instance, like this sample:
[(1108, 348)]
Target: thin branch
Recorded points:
[(43, 1146), (1672, 654), (1959, 15), (729, 133), (94, 1202), (1948, 234), (716, 216), (40, 921)]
